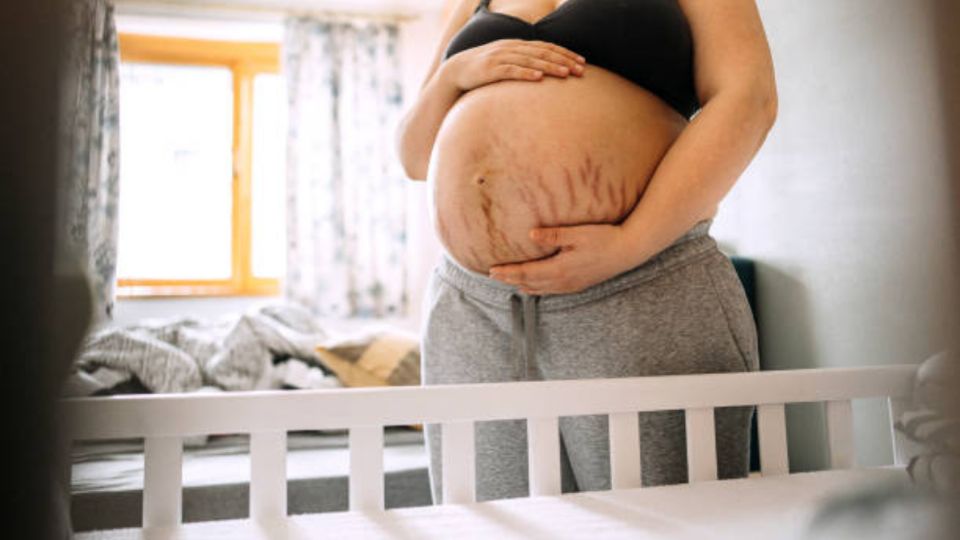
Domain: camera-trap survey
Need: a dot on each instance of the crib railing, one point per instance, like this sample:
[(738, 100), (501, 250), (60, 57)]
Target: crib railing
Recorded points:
[(164, 420)]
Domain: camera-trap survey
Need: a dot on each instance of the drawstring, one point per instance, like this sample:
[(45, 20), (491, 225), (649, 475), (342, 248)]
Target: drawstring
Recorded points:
[(524, 333)]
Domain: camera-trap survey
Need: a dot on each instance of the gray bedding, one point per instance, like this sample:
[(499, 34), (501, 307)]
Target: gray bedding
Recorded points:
[(244, 352)]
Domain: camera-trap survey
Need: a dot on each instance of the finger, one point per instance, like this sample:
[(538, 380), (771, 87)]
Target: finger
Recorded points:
[(529, 274), (511, 71), (552, 236), (509, 273), (545, 291), (545, 66), (549, 56), (557, 49), (547, 45), (532, 49), (553, 287)]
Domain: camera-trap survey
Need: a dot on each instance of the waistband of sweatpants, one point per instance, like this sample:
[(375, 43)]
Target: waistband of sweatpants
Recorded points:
[(692, 245)]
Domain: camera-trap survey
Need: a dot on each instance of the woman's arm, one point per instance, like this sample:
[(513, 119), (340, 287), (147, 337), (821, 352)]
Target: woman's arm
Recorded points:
[(497, 60), (735, 83), (418, 128)]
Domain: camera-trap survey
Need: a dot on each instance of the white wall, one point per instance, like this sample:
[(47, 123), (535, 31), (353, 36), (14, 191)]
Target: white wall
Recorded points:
[(847, 207)]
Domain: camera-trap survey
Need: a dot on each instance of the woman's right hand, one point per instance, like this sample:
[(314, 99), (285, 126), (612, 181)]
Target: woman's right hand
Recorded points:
[(505, 59)]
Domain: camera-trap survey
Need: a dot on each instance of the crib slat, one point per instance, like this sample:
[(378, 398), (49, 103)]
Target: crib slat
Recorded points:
[(162, 481), (459, 458), (701, 444), (772, 428), (840, 434), (268, 475), (896, 407), (366, 468), (624, 451), (543, 454)]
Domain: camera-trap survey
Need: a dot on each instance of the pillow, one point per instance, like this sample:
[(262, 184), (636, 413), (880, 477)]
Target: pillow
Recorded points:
[(377, 358)]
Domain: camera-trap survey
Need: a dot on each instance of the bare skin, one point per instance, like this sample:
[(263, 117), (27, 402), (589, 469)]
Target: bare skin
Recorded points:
[(511, 156), (551, 115)]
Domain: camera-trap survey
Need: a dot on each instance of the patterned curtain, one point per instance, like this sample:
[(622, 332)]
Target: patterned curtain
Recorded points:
[(91, 137), (345, 189)]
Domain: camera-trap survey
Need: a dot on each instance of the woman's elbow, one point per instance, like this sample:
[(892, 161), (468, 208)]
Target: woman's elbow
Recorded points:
[(417, 174), (769, 104), (758, 92), (413, 167), (763, 95), (751, 98), (757, 103)]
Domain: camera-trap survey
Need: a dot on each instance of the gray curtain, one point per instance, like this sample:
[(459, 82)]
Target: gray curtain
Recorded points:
[(91, 141), (345, 189)]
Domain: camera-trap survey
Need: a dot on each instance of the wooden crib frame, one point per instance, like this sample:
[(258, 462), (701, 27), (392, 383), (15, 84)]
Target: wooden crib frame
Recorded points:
[(163, 420)]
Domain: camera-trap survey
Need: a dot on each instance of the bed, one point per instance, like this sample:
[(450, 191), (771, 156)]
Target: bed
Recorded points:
[(778, 499), (275, 346), (107, 477)]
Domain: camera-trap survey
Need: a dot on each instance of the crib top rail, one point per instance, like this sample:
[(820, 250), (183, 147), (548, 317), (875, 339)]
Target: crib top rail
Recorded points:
[(159, 415)]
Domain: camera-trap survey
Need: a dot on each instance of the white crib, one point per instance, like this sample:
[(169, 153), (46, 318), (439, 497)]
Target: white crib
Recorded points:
[(693, 510)]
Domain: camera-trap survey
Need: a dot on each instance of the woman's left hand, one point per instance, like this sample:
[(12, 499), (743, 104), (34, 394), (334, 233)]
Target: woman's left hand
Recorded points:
[(589, 254)]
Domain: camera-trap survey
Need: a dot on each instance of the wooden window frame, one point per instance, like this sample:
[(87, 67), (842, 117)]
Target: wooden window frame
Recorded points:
[(245, 60)]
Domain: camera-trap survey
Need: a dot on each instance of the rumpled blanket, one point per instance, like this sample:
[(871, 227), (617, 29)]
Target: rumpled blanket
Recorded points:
[(257, 350)]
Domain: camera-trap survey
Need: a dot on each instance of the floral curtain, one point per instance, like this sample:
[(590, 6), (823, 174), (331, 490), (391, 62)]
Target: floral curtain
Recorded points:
[(91, 139), (345, 189)]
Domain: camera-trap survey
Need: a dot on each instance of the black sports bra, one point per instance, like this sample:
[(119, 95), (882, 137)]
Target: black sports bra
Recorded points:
[(646, 41)]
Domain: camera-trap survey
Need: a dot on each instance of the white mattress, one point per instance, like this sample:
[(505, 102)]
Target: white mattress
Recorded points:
[(756, 508)]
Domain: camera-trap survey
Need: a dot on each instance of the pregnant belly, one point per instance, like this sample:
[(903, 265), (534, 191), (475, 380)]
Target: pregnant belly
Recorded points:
[(516, 155)]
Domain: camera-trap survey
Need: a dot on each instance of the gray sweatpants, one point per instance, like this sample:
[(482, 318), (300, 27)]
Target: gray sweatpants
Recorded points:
[(683, 311)]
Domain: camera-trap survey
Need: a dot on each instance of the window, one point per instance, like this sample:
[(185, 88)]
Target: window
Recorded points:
[(202, 173)]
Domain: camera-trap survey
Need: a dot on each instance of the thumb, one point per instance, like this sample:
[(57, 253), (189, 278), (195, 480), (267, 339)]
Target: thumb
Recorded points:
[(551, 236)]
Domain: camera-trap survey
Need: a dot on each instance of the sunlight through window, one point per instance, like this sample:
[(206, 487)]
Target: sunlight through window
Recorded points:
[(176, 128), (269, 178), (202, 172)]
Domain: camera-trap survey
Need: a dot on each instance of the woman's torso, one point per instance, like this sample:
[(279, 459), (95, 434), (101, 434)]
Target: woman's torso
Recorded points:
[(514, 155)]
